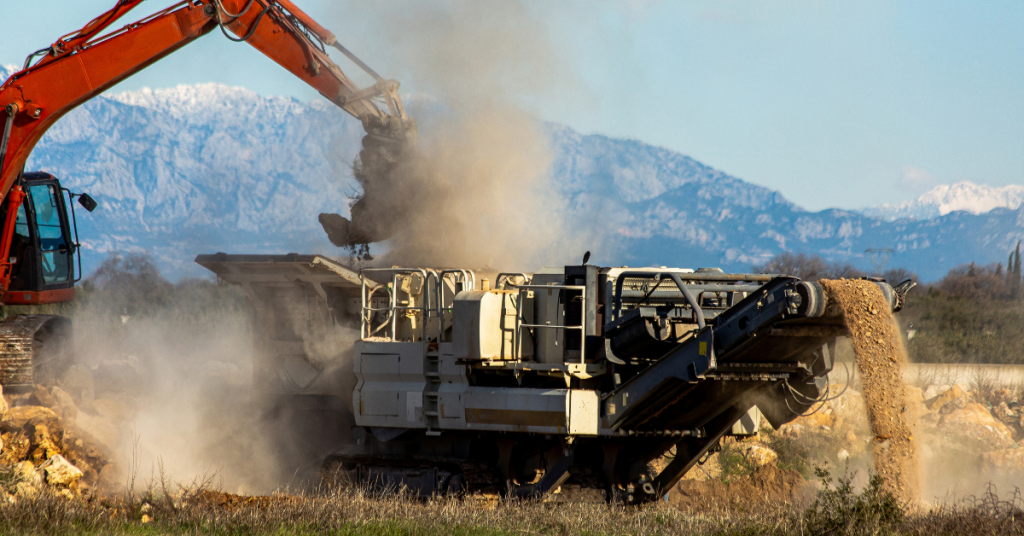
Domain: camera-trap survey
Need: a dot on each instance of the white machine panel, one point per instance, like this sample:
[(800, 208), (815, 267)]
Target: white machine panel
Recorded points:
[(584, 412), (484, 325), (389, 390)]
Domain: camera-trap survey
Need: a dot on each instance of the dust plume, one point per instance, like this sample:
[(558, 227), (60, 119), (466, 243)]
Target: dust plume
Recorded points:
[(479, 190), (480, 195), (880, 356), (180, 401), (163, 381), (461, 50)]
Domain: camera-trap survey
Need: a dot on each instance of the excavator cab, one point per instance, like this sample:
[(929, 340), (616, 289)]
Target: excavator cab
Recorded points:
[(44, 246), (38, 347)]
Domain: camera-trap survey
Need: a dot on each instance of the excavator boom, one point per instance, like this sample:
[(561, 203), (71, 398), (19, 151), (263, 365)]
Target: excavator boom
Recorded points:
[(85, 63), (37, 246)]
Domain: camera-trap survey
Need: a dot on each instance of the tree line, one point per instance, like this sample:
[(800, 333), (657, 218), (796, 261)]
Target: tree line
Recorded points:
[(974, 314)]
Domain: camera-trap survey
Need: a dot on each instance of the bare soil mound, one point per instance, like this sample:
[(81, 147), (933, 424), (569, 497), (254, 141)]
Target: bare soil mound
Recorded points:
[(767, 486), (230, 501)]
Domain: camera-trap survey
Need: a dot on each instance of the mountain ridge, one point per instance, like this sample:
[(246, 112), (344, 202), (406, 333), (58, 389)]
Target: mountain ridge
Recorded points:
[(941, 200), (206, 168)]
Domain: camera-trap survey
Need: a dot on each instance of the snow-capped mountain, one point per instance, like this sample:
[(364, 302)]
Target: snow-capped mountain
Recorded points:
[(202, 166), (207, 168), (697, 216), (941, 200)]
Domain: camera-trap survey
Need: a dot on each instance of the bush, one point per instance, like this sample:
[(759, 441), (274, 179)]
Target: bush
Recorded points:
[(951, 328), (973, 282), (840, 510), (130, 284), (733, 463), (807, 267)]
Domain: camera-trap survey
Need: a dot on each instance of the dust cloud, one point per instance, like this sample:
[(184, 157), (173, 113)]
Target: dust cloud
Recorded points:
[(480, 192), (181, 399), (479, 196), (163, 381)]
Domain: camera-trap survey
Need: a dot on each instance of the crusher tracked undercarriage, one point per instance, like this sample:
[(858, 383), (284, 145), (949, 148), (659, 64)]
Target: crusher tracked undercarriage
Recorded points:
[(579, 377)]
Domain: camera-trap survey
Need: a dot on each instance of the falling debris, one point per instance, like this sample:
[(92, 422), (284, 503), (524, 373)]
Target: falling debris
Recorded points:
[(880, 357)]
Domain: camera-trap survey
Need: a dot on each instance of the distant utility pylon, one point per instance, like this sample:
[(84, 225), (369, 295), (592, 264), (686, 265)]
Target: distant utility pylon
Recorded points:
[(879, 258)]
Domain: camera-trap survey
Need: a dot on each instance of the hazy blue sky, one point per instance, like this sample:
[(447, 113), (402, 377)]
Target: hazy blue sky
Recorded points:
[(836, 104)]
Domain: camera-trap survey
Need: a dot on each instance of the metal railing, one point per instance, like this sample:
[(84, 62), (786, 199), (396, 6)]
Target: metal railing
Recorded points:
[(517, 334), (367, 309), (686, 286), (467, 278)]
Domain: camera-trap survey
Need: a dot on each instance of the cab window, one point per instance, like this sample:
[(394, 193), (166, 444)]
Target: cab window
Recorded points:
[(21, 224), (55, 254)]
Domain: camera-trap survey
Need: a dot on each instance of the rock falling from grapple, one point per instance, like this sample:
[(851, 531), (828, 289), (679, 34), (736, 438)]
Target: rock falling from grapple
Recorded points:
[(385, 170), (880, 357)]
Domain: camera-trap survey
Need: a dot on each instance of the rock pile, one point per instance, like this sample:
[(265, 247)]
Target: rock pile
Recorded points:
[(48, 439), (767, 486), (966, 438), (961, 431)]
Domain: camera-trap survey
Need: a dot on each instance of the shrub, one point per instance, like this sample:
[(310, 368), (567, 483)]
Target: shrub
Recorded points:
[(807, 267), (840, 510)]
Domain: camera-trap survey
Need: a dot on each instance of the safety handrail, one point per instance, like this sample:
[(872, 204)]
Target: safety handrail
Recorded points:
[(686, 290), (467, 276), (517, 337), (393, 301)]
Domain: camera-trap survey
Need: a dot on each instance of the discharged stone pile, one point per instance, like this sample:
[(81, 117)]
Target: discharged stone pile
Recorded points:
[(965, 437), (961, 432), (767, 486)]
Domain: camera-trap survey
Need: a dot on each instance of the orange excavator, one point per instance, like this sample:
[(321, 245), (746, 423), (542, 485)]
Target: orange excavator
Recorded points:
[(38, 237)]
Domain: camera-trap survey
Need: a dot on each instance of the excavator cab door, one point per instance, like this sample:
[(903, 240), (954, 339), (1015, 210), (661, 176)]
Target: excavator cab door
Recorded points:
[(43, 249)]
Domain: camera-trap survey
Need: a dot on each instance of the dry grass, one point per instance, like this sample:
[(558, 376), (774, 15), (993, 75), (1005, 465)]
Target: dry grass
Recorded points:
[(195, 510), (347, 512), (984, 383)]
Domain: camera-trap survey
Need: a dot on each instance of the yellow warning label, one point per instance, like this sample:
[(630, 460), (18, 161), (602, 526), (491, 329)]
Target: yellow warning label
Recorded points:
[(703, 348)]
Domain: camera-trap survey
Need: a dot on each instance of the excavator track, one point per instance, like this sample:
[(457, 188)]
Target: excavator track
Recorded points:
[(33, 349)]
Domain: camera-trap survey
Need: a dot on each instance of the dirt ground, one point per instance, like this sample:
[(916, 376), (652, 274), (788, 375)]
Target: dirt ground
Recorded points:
[(767, 487)]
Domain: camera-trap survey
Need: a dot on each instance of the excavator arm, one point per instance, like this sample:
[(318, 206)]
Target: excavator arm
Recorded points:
[(87, 62)]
